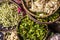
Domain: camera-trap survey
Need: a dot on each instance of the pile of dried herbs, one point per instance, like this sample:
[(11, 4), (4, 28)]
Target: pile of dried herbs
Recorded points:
[(8, 14), (30, 30)]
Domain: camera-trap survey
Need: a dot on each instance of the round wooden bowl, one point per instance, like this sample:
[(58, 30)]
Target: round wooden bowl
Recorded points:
[(31, 13), (10, 28), (46, 27)]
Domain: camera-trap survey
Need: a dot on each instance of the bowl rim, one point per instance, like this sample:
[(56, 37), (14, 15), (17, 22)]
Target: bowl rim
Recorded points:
[(37, 21)]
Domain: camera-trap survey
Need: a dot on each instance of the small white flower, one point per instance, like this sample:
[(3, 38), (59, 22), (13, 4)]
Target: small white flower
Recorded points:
[(41, 15)]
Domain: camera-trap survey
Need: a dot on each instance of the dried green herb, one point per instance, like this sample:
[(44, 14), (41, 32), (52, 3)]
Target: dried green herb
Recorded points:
[(30, 30)]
